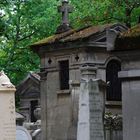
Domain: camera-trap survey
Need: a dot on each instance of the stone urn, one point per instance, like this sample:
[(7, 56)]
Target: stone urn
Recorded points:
[(37, 113)]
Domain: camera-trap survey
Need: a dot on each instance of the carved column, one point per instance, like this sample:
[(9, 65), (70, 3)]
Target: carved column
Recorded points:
[(91, 106)]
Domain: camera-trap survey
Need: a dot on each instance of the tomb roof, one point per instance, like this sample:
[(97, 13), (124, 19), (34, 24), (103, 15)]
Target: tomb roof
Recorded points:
[(129, 39), (132, 32), (28, 85), (72, 35)]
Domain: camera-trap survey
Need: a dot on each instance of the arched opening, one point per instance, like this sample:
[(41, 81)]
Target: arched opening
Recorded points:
[(113, 82)]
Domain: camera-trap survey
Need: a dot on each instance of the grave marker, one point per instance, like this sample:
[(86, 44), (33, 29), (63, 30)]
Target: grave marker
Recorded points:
[(91, 106), (7, 109)]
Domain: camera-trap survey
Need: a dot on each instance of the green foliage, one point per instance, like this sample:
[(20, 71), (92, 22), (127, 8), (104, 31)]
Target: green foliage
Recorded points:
[(23, 22), (105, 11)]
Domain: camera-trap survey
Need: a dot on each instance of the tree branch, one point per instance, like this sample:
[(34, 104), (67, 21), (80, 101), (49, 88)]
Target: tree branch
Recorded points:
[(27, 36)]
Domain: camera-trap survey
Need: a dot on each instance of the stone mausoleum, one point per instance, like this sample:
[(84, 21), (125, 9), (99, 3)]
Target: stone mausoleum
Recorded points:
[(28, 92), (110, 53)]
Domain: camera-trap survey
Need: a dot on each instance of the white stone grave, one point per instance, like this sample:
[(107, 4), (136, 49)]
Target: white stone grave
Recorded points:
[(7, 109)]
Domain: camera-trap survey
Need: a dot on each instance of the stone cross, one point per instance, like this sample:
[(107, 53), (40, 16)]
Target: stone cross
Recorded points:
[(65, 9)]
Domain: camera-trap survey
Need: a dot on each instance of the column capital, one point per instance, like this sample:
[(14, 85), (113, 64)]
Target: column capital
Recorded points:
[(88, 71)]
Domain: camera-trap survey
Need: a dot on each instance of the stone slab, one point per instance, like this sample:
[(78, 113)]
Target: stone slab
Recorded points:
[(129, 74), (91, 110), (131, 104), (131, 114), (7, 114)]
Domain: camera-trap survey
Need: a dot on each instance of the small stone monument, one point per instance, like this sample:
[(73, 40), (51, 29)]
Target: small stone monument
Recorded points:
[(7, 109), (91, 106)]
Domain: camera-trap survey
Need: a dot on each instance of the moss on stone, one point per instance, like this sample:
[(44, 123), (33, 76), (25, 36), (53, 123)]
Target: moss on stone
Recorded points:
[(133, 32)]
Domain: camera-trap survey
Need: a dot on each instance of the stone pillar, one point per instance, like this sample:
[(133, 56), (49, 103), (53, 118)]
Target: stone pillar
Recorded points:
[(7, 112), (43, 98), (91, 106), (74, 87), (131, 104)]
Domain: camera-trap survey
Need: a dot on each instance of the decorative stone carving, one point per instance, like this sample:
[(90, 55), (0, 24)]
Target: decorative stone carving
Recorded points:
[(5, 81)]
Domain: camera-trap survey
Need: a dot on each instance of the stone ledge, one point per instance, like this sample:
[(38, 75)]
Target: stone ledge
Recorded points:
[(74, 83), (6, 89), (130, 74), (63, 92), (113, 103)]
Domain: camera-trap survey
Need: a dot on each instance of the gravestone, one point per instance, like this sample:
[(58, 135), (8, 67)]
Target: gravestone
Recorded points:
[(91, 106), (7, 109), (22, 133)]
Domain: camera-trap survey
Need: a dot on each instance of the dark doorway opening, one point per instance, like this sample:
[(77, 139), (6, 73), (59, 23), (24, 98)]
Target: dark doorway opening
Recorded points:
[(64, 74), (114, 90)]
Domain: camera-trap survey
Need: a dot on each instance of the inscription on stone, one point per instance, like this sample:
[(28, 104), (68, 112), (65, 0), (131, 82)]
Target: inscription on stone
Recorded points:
[(96, 103), (91, 111), (7, 116)]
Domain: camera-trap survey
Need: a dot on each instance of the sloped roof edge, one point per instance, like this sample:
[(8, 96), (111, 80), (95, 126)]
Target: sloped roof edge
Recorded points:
[(31, 75), (129, 39), (73, 35)]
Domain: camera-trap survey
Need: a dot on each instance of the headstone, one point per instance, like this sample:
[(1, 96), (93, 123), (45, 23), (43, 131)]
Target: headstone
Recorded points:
[(22, 133), (7, 109), (91, 107)]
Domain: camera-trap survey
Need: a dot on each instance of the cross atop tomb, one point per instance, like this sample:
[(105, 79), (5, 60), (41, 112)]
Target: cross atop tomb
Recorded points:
[(65, 9)]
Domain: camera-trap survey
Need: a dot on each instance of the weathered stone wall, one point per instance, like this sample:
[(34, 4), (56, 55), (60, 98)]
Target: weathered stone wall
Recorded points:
[(58, 113), (130, 76), (59, 122)]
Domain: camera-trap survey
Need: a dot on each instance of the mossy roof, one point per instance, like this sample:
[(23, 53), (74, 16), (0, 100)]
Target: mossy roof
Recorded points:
[(129, 39), (71, 35), (132, 32)]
